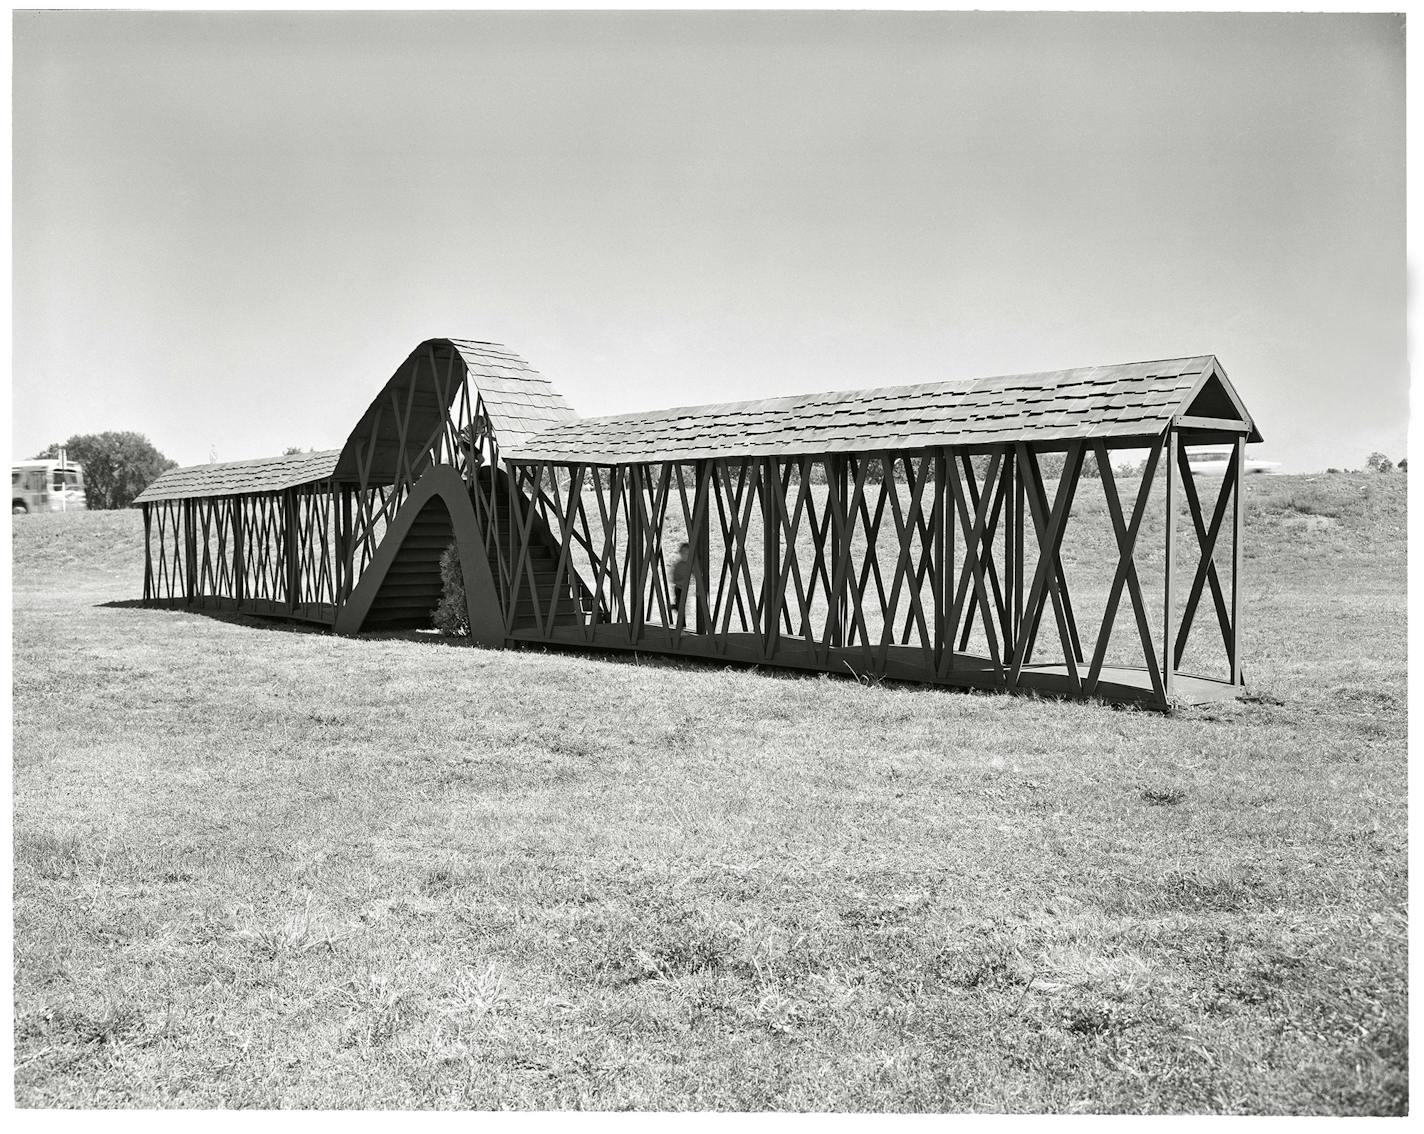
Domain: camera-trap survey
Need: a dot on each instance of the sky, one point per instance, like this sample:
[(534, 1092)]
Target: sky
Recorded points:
[(229, 229)]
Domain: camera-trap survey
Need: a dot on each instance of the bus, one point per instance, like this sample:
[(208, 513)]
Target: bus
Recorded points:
[(47, 486), (1212, 461)]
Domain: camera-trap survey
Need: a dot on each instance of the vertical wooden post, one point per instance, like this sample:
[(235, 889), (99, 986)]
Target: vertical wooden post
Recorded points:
[(701, 541), (845, 619), (771, 556), (348, 549), (950, 490), (1169, 669), (509, 553), (1010, 627), (940, 518), (148, 554), (637, 550), (1018, 589), (239, 561), (339, 543), (1237, 525), (617, 564), (836, 524), (289, 504), (1007, 625), (190, 554)]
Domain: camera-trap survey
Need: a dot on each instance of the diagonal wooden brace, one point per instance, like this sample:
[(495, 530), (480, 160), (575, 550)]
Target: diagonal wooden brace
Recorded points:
[(1206, 569), (986, 549), (1126, 573), (973, 569), (1045, 578)]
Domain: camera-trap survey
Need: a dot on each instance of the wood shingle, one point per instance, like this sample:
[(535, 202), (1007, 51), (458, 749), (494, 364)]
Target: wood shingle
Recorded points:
[(1132, 400), (227, 478)]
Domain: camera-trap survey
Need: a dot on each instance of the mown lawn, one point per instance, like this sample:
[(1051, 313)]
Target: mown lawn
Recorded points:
[(264, 867)]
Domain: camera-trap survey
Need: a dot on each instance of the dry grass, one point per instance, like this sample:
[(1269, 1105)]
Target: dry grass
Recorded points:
[(263, 867)]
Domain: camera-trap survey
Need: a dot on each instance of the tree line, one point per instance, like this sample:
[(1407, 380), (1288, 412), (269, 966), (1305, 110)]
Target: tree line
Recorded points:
[(117, 466)]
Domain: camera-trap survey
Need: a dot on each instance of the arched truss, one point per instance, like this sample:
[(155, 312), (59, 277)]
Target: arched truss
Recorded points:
[(443, 483), (450, 404), (258, 538)]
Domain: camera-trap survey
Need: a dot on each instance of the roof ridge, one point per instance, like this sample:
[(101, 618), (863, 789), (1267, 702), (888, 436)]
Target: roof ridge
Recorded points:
[(1123, 400), (249, 461), (253, 474), (703, 408)]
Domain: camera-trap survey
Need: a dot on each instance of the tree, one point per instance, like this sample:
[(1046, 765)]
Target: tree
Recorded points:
[(117, 466), (1378, 462), (1403, 465), (1051, 465)]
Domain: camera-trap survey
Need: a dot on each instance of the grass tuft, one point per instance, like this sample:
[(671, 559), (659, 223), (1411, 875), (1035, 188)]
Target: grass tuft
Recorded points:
[(296, 933), (52, 857)]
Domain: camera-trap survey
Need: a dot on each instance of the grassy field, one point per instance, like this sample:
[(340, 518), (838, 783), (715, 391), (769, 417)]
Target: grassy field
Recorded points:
[(256, 866)]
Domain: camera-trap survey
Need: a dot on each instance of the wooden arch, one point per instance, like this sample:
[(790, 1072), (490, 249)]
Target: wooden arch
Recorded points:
[(445, 484)]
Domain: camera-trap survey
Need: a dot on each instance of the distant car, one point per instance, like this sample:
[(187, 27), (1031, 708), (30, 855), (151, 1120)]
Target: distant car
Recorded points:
[(1214, 462), (47, 486)]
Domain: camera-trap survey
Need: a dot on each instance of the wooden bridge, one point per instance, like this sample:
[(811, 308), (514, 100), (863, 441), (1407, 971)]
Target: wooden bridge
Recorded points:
[(914, 532)]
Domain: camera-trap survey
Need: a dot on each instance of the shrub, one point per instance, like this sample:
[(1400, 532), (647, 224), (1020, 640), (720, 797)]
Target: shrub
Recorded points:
[(1378, 462), (452, 616)]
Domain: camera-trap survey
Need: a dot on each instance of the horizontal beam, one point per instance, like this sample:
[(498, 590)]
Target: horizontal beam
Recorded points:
[(1215, 424), (905, 663), (1052, 445)]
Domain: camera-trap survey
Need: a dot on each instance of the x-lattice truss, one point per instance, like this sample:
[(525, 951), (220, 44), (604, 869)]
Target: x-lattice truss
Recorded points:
[(918, 533)]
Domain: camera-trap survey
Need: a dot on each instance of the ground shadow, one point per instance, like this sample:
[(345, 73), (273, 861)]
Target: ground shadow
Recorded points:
[(433, 638), (247, 621)]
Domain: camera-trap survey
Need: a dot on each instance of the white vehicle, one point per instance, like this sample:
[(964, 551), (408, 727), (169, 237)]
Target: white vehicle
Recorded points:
[(47, 486), (1214, 461)]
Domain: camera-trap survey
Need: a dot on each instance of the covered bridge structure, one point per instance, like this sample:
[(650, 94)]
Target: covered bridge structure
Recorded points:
[(939, 533)]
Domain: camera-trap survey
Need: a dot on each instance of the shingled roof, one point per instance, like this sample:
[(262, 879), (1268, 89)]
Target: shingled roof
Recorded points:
[(518, 400), (227, 478), (1135, 400), (533, 423)]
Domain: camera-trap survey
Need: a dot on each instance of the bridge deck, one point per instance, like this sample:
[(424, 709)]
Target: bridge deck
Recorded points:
[(901, 663), (1121, 684)]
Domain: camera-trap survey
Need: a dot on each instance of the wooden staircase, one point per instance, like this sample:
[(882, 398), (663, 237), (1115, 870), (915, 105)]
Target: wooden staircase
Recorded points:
[(408, 596), (411, 591)]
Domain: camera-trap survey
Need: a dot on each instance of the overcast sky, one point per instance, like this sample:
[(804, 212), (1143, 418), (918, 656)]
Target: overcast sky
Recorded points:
[(230, 229)]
